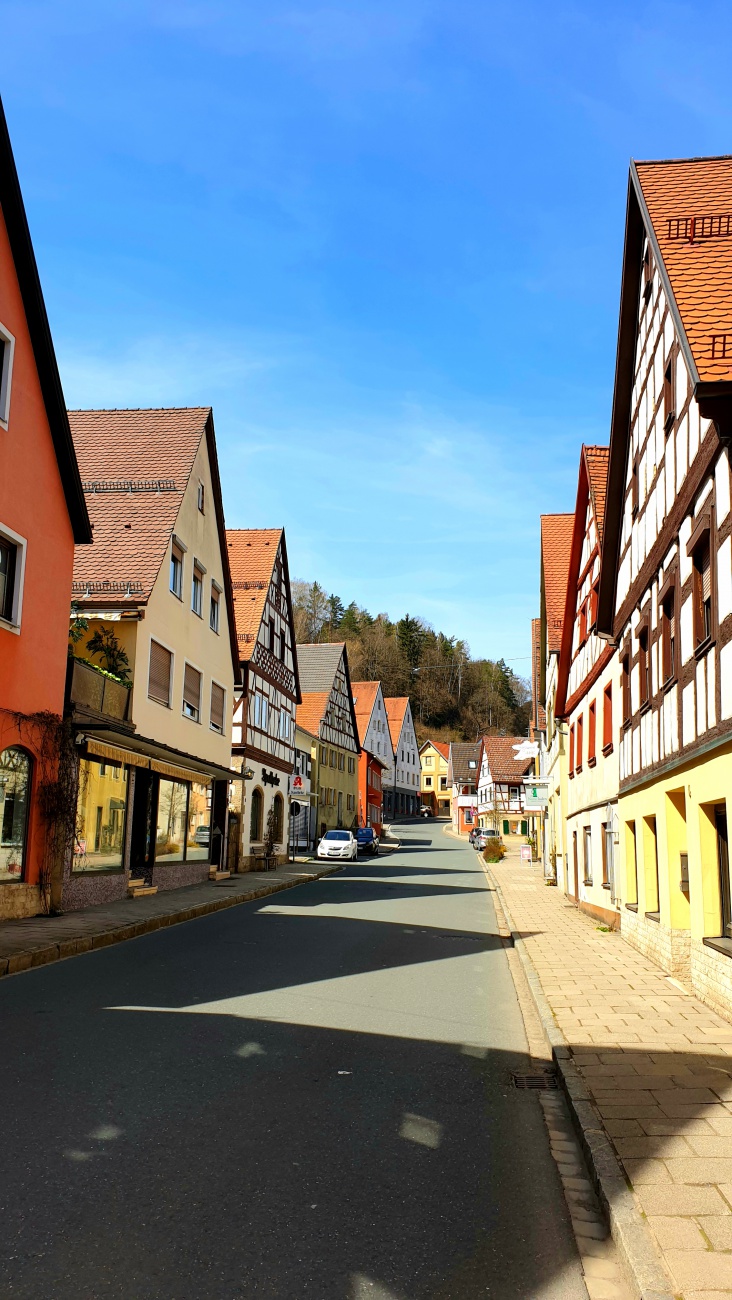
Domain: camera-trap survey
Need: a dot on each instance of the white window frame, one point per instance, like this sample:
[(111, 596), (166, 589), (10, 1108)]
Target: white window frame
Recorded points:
[(199, 572), (6, 374), (187, 716), (215, 587), (21, 543), (171, 651)]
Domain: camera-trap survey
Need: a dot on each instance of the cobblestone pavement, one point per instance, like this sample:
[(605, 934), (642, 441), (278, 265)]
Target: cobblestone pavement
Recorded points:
[(38, 940), (658, 1065)]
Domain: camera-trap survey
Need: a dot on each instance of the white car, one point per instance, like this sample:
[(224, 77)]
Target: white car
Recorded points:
[(338, 844)]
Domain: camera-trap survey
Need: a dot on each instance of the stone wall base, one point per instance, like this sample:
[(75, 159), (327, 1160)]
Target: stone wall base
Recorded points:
[(711, 977), (669, 949), (19, 900), (607, 915)]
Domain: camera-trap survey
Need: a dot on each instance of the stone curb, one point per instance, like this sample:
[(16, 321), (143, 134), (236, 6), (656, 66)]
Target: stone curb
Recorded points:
[(33, 957), (636, 1248)]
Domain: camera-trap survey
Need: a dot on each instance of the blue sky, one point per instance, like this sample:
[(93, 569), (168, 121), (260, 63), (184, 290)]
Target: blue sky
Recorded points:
[(381, 239)]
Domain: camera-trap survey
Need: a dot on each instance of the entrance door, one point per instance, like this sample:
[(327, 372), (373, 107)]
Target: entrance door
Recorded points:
[(720, 817), (144, 818)]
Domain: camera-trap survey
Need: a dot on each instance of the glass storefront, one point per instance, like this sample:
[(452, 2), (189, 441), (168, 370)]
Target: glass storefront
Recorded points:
[(15, 778), (101, 810), (198, 846)]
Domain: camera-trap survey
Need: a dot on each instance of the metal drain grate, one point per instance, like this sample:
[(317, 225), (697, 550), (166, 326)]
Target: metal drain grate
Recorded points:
[(535, 1082)]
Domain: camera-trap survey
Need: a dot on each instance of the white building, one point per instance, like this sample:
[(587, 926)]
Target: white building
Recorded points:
[(401, 779)]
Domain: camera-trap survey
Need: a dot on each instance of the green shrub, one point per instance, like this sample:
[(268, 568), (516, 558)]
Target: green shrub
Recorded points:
[(494, 852)]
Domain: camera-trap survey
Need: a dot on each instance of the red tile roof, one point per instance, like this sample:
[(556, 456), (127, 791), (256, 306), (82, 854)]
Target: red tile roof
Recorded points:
[(132, 527), (699, 269), (596, 461), (502, 761), (442, 747), (364, 695), (252, 554), (311, 711), (556, 542), (396, 707)]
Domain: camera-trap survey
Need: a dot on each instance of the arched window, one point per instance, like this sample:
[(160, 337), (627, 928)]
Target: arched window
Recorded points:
[(279, 805), (255, 825), (15, 782)]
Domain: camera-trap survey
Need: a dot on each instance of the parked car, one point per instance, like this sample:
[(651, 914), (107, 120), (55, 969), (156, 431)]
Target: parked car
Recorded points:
[(338, 844), (367, 840), (426, 811), (202, 835), (484, 836), (473, 832)]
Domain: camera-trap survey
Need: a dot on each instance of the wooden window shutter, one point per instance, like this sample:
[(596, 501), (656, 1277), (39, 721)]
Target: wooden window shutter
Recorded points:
[(161, 664), (591, 733), (580, 744), (192, 689), (571, 750), (217, 706), (607, 715)]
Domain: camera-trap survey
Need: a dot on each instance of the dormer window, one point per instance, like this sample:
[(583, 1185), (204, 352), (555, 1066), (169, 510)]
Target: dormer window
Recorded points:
[(7, 349)]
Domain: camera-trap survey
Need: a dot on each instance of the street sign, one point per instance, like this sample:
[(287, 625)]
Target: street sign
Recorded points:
[(294, 808), (526, 853), (536, 794)]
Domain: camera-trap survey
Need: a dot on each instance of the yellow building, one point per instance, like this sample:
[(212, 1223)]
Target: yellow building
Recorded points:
[(327, 713), (433, 786)]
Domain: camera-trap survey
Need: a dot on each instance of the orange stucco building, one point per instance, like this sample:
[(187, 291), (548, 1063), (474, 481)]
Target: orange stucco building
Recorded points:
[(42, 516)]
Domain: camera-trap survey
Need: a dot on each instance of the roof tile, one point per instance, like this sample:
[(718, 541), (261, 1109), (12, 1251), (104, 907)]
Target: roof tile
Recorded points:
[(556, 543)]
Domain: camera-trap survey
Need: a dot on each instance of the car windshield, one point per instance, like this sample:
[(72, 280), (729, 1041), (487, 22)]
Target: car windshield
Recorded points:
[(365, 834), (337, 835)]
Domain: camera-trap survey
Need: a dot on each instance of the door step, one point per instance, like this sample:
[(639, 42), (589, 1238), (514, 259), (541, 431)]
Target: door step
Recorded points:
[(140, 890), (218, 875)]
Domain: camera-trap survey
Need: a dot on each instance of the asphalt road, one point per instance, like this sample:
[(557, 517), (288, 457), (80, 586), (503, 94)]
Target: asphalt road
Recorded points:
[(305, 1097)]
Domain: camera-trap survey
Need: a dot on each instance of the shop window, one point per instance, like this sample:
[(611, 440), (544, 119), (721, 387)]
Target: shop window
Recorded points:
[(198, 838), (16, 767), (100, 813), (172, 821), (255, 821)]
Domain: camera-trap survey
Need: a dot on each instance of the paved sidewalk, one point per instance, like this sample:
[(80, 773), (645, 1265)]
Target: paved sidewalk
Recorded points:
[(39, 940), (657, 1064)]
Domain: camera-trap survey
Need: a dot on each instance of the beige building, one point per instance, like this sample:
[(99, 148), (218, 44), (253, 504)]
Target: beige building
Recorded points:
[(556, 540), (155, 588)]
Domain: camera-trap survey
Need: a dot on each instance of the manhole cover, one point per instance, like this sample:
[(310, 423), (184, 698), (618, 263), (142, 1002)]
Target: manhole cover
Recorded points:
[(535, 1082)]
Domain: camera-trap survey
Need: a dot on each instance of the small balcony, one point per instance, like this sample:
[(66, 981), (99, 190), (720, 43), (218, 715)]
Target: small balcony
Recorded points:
[(92, 695)]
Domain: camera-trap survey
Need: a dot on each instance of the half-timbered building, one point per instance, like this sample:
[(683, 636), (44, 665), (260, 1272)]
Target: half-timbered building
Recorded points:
[(665, 595), (263, 737), (327, 712), (501, 792), (585, 701), (556, 540)]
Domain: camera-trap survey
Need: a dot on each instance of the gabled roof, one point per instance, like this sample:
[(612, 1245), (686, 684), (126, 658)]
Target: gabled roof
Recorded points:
[(593, 462), (683, 206), (502, 761), (462, 753), (319, 664), (21, 245), (556, 540), (136, 466), (364, 697), (252, 554), (442, 747), (311, 711), (396, 709)]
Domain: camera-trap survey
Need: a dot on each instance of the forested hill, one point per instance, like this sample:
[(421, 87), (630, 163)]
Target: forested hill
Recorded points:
[(454, 697)]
